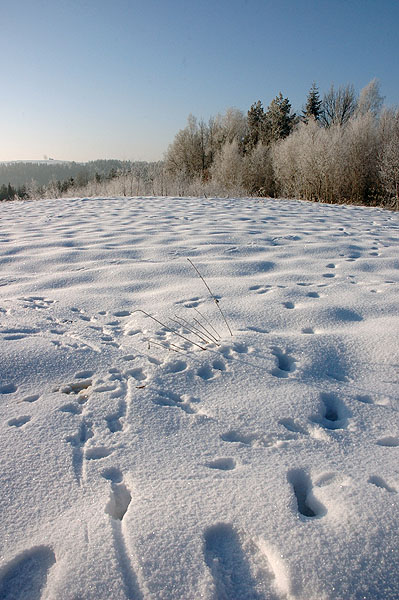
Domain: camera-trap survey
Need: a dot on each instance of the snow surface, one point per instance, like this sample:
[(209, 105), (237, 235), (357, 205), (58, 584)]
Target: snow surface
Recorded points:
[(264, 466)]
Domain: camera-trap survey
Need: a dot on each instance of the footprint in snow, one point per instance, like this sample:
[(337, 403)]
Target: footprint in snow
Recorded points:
[(289, 305), (175, 366), (260, 289), (117, 506), (380, 483), (114, 419), (31, 398), (210, 371), (37, 302), (97, 453), (120, 496), (234, 564), (8, 388), (307, 504), (285, 363), (222, 464), (170, 399), (25, 576), (333, 412), (239, 437), (137, 373), (389, 441), (19, 421)]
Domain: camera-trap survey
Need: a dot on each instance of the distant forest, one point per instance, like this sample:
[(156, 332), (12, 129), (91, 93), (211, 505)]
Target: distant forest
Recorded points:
[(30, 179), (342, 148)]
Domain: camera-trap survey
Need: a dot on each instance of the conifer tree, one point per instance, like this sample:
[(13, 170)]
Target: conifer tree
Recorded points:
[(279, 120), (256, 126), (313, 105)]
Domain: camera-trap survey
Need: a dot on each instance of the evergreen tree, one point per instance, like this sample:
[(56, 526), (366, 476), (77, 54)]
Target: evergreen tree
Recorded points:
[(279, 120), (256, 120), (313, 105)]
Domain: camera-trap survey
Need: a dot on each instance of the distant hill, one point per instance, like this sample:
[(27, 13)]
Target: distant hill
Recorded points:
[(19, 173)]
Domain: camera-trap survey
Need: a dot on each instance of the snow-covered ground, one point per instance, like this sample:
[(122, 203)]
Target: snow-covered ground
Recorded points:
[(136, 463)]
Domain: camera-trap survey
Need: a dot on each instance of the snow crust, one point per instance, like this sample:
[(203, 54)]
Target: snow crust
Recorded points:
[(135, 464)]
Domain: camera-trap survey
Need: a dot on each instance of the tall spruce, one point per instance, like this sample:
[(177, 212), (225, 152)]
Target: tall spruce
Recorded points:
[(313, 105), (256, 120), (279, 120)]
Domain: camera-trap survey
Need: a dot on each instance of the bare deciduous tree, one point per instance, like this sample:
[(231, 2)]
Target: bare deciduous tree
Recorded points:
[(338, 106)]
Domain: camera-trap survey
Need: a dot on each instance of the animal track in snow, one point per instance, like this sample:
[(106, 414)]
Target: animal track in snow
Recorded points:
[(379, 482), (364, 399), (117, 506), (229, 564), (120, 494), (31, 398), (260, 289), (25, 576), (389, 441), (79, 388), (78, 442), (166, 398), (114, 419), (289, 305), (308, 506), (19, 421), (36, 302), (223, 464), (313, 295), (194, 302), (96, 453), (122, 313), (333, 413), (8, 388), (209, 371), (285, 363), (239, 437), (18, 333), (175, 366), (74, 409), (137, 373)]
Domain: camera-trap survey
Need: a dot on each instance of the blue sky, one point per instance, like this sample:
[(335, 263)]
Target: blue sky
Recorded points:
[(94, 79)]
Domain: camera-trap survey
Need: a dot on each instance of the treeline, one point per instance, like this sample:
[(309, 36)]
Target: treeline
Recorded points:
[(342, 148)]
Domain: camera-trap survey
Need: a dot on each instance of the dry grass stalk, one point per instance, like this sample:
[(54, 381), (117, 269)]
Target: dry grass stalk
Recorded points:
[(212, 296)]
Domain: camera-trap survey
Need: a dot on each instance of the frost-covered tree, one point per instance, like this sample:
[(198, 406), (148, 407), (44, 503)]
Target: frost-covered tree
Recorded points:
[(370, 99), (388, 161), (227, 169), (184, 156), (257, 171), (279, 119)]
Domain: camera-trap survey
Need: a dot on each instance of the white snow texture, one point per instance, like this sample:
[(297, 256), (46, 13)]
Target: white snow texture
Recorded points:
[(147, 453)]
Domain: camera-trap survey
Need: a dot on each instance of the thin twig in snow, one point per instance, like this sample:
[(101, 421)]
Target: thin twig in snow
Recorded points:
[(207, 321), (168, 328), (212, 295)]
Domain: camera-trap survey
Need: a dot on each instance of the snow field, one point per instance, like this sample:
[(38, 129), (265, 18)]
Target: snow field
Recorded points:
[(136, 464)]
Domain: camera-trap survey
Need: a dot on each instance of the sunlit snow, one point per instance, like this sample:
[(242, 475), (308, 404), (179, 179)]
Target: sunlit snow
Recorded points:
[(148, 453)]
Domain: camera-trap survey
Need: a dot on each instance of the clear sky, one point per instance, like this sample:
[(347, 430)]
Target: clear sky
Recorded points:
[(87, 79)]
